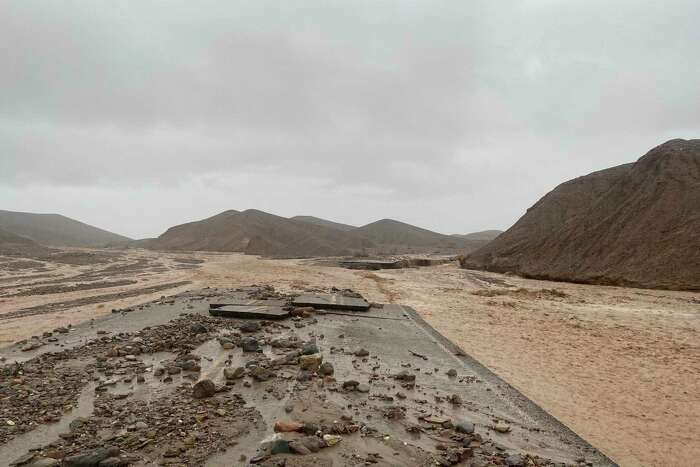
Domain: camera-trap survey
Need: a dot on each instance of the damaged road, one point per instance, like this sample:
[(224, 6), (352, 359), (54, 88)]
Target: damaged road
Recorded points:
[(175, 382)]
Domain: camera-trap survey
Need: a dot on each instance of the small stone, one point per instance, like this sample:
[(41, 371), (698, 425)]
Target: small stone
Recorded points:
[(203, 388), (250, 326), (234, 373), (361, 353), (451, 372), (350, 385), (363, 388), (464, 426), (250, 344), (191, 365), (261, 374), (331, 440), (326, 369), (405, 376), (310, 429), (309, 349), (90, 458), (455, 399), (288, 426), (515, 460), (501, 427), (310, 362)]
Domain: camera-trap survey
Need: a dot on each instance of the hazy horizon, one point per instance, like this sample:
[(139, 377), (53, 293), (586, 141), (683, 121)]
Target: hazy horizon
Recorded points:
[(138, 116)]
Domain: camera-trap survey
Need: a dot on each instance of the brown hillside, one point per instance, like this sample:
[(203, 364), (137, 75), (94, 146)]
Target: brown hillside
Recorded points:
[(14, 245), (484, 235), (636, 224), (324, 222), (56, 230), (260, 233), (399, 237)]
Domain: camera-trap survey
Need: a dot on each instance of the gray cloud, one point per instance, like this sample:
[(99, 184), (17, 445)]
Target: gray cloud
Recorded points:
[(455, 116)]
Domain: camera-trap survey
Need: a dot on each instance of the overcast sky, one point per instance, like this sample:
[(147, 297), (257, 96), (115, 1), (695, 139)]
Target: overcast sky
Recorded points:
[(455, 116)]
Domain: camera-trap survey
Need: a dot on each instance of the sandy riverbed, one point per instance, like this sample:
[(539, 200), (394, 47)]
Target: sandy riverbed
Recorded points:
[(620, 366)]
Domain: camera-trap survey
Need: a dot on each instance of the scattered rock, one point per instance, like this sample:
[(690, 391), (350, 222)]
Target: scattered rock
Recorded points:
[(361, 353), (464, 426), (405, 376), (91, 458), (234, 373), (326, 369), (350, 385), (310, 362), (515, 460), (250, 344), (309, 349), (331, 440), (288, 426), (455, 399), (501, 427), (204, 388), (250, 326)]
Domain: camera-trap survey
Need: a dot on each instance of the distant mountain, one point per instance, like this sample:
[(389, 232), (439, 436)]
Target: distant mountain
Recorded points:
[(324, 222), (484, 235), (635, 224), (56, 230), (15, 245), (260, 233), (395, 236)]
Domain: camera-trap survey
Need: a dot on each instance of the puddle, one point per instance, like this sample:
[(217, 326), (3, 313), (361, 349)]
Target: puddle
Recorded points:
[(269, 408), (46, 434)]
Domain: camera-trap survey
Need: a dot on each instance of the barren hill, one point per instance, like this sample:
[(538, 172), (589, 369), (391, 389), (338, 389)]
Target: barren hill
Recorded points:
[(257, 232), (636, 224), (324, 222), (399, 237), (56, 230), (484, 235), (14, 245)]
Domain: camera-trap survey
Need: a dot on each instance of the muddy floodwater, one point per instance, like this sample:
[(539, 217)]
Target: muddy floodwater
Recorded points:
[(609, 362)]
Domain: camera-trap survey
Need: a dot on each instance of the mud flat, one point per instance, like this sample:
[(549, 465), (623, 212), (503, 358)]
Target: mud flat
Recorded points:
[(167, 383)]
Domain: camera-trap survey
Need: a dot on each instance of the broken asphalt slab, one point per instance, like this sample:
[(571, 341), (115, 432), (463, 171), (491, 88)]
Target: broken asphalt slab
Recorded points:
[(333, 301), (249, 311)]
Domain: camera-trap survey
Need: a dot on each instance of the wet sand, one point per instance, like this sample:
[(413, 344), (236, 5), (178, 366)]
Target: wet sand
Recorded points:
[(620, 366)]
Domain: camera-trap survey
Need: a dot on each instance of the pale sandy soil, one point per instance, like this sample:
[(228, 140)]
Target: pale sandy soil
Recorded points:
[(621, 367)]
